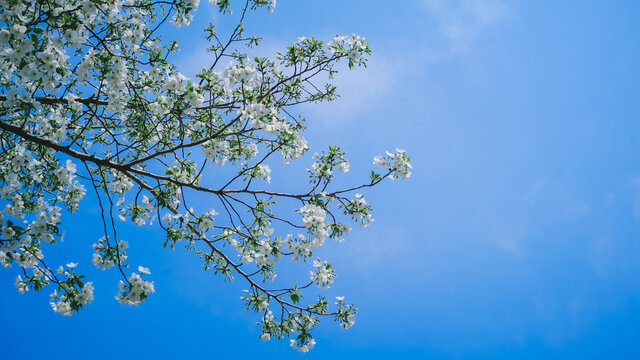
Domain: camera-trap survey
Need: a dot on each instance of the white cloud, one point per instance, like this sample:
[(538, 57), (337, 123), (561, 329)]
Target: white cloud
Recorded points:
[(360, 89), (460, 22)]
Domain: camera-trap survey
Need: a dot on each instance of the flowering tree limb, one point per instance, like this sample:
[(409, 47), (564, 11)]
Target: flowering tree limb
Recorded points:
[(89, 98)]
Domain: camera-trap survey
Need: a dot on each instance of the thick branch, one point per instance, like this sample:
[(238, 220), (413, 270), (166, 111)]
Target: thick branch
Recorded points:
[(56, 100)]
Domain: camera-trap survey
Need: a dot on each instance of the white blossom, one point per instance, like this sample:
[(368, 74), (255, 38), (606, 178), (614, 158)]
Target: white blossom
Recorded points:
[(136, 291), (21, 285), (323, 274), (304, 348), (85, 297), (263, 172), (7, 232), (61, 307)]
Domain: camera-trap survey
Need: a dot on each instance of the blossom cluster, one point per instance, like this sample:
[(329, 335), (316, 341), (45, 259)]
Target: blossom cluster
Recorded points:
[(322, 169), (135, 290), (313, 218), (346, 314), (218, 150), (354, 46), (360, 210), (66, 302), (107, 255), (398, 163), (205, 221), (323, 275), (139, 214), (301, 325)]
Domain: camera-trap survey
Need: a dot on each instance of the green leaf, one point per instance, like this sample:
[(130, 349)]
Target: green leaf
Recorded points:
[(295, 295)]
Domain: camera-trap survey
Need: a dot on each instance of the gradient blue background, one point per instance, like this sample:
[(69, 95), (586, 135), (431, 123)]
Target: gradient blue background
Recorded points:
[(517, 237)]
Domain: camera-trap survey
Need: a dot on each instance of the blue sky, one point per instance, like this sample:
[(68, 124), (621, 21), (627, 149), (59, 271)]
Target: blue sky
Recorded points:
[(517, 236)]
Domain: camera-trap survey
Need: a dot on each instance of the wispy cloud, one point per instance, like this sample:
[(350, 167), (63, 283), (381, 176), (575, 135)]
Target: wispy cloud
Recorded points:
[(360, 89), (456, 25), (460, 22)]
